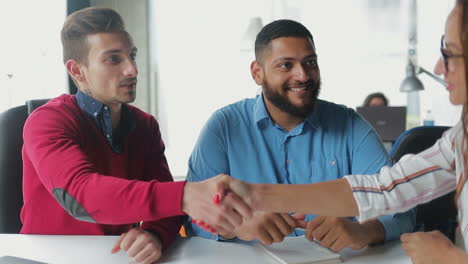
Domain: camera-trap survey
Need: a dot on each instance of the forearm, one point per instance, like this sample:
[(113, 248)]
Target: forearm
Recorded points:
[(332, 198)]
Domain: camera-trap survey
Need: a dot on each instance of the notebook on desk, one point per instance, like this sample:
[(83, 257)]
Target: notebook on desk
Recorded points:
[(299, 250), (388, 121)]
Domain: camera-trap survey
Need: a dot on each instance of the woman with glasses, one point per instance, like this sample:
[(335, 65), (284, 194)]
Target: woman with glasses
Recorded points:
[(416, 179)]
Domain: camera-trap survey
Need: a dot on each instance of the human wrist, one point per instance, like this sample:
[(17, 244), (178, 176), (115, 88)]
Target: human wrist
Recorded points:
[(186, 198), (373, 232), (258, 192), (156, 239)]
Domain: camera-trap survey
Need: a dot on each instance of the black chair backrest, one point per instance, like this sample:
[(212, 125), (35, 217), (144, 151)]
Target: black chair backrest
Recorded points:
[(416, 140), (11, 165), (438, 214)]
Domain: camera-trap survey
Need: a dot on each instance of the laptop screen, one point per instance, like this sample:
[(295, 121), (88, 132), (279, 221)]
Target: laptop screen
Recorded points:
[(388, 121)]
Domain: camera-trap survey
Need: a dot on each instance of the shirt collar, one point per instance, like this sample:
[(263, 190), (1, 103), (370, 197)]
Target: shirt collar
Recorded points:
[(88, 104), (313, 118), (261, 114)]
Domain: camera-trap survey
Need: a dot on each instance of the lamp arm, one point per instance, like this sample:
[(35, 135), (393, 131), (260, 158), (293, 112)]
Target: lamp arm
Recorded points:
[(435, 77)]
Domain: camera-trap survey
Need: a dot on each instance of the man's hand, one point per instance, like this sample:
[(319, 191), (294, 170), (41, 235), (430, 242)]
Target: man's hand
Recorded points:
[(267, 227), (431, 247), (338, 233), (221, 215), (142, 246)]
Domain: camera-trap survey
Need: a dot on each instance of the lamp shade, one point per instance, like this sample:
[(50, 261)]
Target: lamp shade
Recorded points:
[(411, 84)]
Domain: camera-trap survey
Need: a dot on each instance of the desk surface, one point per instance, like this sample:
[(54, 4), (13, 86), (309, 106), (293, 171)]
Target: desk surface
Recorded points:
[(96, 249)]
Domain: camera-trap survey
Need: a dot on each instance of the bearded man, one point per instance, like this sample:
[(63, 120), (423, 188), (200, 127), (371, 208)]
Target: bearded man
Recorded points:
[(286, 135)]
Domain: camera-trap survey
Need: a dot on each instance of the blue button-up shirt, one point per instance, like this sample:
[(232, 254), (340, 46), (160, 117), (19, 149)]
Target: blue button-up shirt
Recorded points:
[(333, 141), (101, 116)]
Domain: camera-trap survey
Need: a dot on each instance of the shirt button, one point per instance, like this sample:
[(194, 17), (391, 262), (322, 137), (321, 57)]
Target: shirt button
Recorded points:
[(95, 113), (287, 161), (108, 135), (332, 162), (105, 107)]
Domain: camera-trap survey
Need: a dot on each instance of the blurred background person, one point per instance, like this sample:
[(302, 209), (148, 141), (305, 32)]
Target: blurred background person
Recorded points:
[(375, 99)]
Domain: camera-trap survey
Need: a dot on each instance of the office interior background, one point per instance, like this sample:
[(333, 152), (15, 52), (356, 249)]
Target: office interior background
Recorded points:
[(194, 56)]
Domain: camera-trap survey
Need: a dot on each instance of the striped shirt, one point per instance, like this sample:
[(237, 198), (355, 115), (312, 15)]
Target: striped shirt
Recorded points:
[(415, 179)]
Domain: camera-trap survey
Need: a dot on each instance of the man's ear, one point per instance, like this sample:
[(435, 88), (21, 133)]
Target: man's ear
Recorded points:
[(257, 72), (75, 71)]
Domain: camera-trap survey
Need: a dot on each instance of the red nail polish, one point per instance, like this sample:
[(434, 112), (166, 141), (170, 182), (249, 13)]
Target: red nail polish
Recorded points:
[(216, 199)]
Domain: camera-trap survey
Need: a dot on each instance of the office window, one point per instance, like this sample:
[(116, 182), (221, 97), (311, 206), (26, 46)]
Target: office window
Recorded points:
[(31, 54)]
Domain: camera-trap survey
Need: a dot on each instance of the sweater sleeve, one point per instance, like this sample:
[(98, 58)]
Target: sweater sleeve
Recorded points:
[(52, 143), (157, 168), (414, 180)]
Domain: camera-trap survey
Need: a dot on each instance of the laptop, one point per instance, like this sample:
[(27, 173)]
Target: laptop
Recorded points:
[(388, 121)]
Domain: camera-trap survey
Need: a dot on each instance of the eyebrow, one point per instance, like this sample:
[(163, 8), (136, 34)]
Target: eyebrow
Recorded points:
[(312, 56), (133, 50)]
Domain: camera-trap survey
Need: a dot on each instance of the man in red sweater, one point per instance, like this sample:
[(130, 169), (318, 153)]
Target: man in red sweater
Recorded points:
[(94, 165)]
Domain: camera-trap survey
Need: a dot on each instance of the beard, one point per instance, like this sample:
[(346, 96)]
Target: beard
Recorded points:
[(285, 105)]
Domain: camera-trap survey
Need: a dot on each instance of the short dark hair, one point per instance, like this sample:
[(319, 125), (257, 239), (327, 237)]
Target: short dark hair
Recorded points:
[(84, 22), (375, 95), (279, 29)]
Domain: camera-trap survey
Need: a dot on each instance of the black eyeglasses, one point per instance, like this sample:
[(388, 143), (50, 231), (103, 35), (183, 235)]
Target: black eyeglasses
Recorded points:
[(445, 55)]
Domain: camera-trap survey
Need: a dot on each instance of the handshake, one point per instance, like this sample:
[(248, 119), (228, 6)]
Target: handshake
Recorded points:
[(225, 206), (219, 204), (233, 208)]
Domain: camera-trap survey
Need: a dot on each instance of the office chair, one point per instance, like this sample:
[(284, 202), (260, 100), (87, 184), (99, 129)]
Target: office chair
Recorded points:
[(438, 214), (11, 167)]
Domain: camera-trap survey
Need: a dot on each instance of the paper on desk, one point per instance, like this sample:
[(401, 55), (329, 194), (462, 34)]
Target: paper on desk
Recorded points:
[(299, 250)]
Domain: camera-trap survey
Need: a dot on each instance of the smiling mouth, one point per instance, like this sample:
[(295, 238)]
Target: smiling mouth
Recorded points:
[(297, 89)]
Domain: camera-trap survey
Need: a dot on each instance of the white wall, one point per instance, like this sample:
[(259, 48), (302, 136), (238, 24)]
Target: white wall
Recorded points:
[(198, 67), (31, 53)]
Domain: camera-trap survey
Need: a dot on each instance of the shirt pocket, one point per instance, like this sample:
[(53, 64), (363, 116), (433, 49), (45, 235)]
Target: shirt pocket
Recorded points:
[(326, 169)]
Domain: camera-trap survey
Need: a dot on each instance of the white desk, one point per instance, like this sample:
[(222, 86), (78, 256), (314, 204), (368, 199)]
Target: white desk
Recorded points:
[(96, 249)]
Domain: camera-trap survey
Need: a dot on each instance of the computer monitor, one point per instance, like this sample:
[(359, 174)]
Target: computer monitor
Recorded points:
[(388, 121)]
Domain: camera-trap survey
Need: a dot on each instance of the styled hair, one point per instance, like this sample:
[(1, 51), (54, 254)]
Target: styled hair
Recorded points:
[(279, 29), (463, 5), (84, 22), (375, 95)]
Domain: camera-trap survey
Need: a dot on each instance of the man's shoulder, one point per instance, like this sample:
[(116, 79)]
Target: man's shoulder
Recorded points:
[(242, 105), (143, 120), (60, 105), (60, 112), (326, 109), (233, 115), (242, 108)]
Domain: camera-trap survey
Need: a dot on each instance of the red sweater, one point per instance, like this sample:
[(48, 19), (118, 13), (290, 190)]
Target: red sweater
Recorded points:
[(71, 173)]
